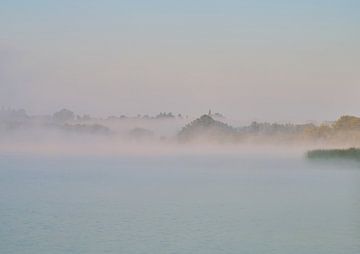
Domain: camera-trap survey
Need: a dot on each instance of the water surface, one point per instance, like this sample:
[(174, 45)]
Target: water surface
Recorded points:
[(178, 204)]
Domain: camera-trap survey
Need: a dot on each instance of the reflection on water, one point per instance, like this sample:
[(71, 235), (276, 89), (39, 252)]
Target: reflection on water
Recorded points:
[(188, 204)]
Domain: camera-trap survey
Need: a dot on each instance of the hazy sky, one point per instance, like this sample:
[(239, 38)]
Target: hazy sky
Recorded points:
[(265, 60)]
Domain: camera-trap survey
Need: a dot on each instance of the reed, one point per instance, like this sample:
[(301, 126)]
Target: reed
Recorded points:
[(348, 154)]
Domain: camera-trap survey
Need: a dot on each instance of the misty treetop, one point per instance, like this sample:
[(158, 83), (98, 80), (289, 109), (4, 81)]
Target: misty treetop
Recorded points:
[(176, 127), (343, 131), (206, 127)]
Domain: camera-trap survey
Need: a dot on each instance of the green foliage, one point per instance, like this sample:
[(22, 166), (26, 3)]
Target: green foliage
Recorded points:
[(351, 153)]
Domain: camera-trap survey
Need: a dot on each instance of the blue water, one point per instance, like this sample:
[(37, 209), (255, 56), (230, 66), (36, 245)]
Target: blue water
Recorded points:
[(179, 204)]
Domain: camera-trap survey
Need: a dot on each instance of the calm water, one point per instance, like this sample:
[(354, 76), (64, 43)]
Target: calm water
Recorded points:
[(184, 204)]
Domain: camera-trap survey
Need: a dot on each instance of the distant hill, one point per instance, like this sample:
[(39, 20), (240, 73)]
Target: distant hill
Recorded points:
[(206, 128)]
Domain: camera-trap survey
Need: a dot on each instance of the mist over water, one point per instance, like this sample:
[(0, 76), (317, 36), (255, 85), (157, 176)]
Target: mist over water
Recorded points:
[(133, 185), (227, 203), (182, 127), (65, 133)]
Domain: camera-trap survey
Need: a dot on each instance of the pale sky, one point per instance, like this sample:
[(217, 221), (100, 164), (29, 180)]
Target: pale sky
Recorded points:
[(264, 60)]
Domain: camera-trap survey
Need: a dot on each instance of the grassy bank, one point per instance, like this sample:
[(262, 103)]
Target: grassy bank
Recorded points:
[(348, 154)]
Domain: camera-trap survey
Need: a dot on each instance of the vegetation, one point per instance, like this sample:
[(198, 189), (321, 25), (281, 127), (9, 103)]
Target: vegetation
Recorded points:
[(345, 131), (64, 115), (163, 115), (351, 153), (347, 123), (206, 127), (86, 128)]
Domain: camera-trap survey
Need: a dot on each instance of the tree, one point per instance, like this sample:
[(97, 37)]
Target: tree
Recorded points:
[(64, 115), (347, 123)]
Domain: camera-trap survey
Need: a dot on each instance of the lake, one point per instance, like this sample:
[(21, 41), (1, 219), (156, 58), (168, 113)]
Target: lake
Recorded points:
[(244, 203)]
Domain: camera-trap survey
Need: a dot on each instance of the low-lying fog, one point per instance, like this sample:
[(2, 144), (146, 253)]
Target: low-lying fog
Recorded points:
[(166, 133), (174, 185)]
